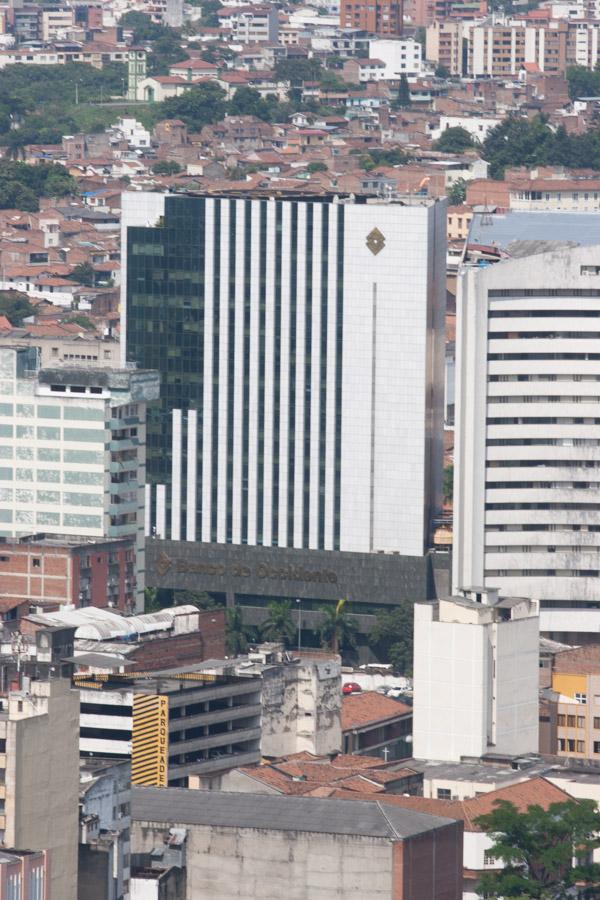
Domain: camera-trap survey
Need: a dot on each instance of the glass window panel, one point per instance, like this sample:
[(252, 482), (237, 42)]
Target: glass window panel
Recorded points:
[(6, 431), (48, 433), (26, 431), (48, 412), (6, 474), (5, 515), (24, 517), (24, 452), (6, 452), (84, 413), (95, 435), (48, 454), (24, 474), (6, 493), (83, 477), (22, 496), (76, 499), (74, 521), (48, 496), (83, 456), (48, 475), (25, 409), (6, 409), (47, 518)]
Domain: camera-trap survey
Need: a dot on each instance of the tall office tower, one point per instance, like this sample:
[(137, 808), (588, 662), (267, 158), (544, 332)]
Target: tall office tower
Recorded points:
[(476, 676), (300, 345), (380, 17), (72, 451), (39, 730), (527, 453)]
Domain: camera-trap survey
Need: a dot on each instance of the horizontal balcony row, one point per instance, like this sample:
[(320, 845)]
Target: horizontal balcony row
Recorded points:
[(567, 387), (551, 323), (537, 304), (525, 430), (550, 474), (235, 689), (564, 451), (548, 588), (184, 723), (587, 408), (564, 516), (537, 366), (583, 345), (542, 538), (216, 740), (512, 494), (206, 767)]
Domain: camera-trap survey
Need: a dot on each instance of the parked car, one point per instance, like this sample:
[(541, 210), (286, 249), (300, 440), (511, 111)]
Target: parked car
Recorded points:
[(351, 687)]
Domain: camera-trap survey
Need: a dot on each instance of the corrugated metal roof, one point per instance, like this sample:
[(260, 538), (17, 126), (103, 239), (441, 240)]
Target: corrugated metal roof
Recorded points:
[(179, 806)]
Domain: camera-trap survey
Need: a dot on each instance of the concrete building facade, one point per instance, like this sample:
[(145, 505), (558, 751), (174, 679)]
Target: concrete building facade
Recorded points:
[(40, 762), (302, 848), (527, 454), (475, 677), (73, 450), (314, 419)]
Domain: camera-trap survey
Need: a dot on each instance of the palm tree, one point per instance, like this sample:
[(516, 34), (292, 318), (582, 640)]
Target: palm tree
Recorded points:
[(338, 629), (238, 635), (279, 624)]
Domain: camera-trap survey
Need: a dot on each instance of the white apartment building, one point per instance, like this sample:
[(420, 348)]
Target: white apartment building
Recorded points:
[(475, 676), (401, 56), (527, 452), (301, 344), (72, 449), (251, 24)]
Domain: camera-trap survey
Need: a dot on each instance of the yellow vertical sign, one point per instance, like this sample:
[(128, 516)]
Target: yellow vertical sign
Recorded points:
[(150, 740)]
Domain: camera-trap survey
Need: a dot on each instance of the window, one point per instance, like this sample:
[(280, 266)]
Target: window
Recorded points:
[(571, 721), (489, 860), (571, 745), (596, 721), (561, 719), (581, 698), (444, 794), (596, 746), (580, 746), (562, 744), (581, 721), (36, 562)]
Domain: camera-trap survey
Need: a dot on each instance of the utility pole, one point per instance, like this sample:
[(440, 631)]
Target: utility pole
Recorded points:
[(299, 602)]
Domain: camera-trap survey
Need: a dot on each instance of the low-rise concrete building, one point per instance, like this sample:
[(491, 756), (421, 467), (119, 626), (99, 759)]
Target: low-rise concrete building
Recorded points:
[(376, 725), (300, 847)]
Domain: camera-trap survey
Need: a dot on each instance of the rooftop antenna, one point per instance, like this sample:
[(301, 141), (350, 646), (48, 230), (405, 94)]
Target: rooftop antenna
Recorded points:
[(486, 216)]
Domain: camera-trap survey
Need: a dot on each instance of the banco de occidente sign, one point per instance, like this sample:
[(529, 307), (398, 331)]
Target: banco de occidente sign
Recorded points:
[(165, 564)]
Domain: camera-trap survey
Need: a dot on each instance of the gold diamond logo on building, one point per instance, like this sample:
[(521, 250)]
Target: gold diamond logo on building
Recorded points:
[(163, 564), (375, 241)]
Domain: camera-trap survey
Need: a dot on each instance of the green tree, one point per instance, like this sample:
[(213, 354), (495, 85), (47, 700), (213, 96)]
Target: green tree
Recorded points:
[(520, 142), (297, 71), (83, 273), (15, 306), (238, 635), (338, 629), (279, 624), (537, 848), (448, 484), (442, 72), (316, 167), (454, 140), (166, 167), (403, 100), (391, 637), (201, 105), (457, 192), (246, 102), (201, 599), (151, 603), (583, 82), (166, 51)]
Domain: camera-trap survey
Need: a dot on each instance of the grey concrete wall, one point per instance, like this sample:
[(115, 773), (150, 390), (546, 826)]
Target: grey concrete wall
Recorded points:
[(255, 864)]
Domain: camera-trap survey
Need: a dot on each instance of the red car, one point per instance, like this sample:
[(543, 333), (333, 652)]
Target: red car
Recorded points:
[(351, 687)]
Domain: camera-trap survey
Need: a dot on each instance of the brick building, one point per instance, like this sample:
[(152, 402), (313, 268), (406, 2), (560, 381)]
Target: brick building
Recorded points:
[(69, 570), (380, 17)]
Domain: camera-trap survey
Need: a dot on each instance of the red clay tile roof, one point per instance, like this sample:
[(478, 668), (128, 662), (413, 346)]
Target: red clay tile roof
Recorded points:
[(535, 791), (368, 708)]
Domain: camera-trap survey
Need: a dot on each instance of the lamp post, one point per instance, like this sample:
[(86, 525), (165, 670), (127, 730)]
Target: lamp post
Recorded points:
[(299, 602)]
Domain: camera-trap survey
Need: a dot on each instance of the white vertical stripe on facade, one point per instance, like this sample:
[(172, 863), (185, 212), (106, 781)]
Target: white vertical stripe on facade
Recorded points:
[(223, 375), (238, 392), (299, 402), (192, 474), (208, 373), (161, 511), (331, 375), (147, 509), (269, 375), (284, 426), (313, 514), (253, 399), (176, 439)]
